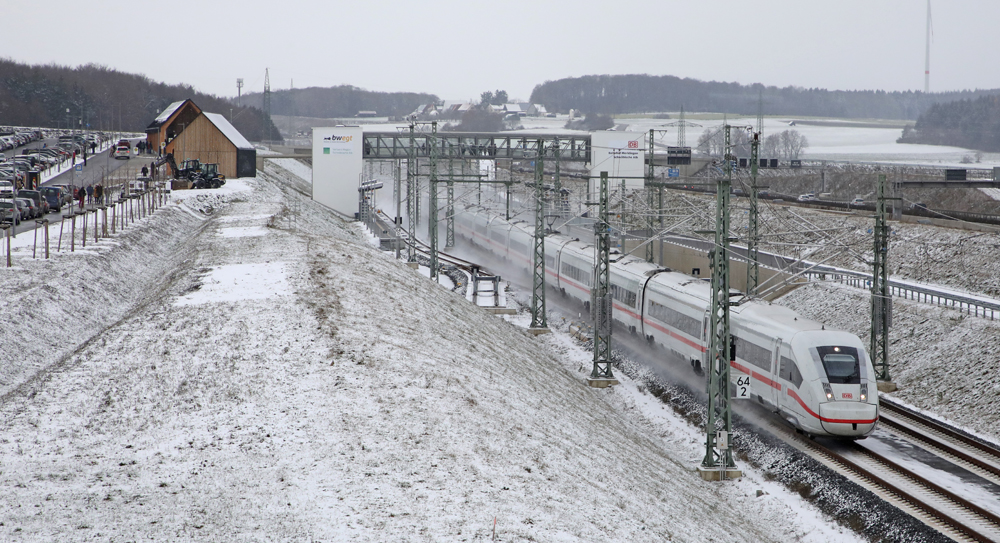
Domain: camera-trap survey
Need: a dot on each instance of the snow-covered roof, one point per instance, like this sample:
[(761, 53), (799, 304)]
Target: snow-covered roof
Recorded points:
[(162, 117), (228, 130)]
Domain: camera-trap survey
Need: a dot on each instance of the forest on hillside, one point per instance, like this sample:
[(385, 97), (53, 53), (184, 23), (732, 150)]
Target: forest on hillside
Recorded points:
[(974, 124), (340, 101), (621, 94), (102, 98)]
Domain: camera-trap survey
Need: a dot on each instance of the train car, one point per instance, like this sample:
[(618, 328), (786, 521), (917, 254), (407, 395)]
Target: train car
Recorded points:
[(816, 379)]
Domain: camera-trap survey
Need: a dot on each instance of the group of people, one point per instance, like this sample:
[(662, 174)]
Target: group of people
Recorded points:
[(91, 194), (144, 148)]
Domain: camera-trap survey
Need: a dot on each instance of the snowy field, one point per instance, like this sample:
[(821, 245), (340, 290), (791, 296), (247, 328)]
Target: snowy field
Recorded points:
[(243, 366)]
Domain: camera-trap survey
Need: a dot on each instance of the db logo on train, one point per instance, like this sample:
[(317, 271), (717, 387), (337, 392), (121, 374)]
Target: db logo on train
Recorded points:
[(634, 144)]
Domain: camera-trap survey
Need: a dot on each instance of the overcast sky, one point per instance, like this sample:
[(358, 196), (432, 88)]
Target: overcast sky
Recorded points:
[(457, 49)]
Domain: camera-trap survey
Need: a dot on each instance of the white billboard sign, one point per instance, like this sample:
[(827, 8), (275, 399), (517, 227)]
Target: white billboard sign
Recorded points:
[(337, 163), (622, 155)]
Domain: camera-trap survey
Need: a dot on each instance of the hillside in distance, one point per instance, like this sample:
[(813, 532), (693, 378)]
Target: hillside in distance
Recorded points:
[(974, 124), (641, 93), (340, 101), (102, 98)]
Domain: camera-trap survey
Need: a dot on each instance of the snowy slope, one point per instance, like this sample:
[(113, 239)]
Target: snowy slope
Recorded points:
[(266, 374)]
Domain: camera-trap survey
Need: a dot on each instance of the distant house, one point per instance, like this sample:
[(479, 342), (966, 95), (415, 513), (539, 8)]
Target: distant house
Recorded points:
[(425, 109), (521, 109), (188, 132)]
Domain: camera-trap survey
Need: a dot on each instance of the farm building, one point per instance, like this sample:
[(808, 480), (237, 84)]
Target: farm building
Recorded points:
[(186, 131)]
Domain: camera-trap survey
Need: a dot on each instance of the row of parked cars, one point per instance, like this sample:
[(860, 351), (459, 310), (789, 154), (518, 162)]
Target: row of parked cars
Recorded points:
[(31, 204), (17, 167), (11, 138)]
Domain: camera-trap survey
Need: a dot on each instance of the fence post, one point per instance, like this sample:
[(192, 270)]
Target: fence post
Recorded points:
[(7, 230), (46, 221), (72, 234)]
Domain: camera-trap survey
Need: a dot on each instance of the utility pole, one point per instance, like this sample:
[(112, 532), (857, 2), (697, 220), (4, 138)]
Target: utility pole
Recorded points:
[(432, 204), (601, 375), (718, 462), (539, 324), (681, 129), (753, 226), (411, 199), (881, 304), (239, 91)]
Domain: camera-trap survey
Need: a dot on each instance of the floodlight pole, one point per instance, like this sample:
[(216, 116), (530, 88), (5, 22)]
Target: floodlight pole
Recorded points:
[(539, 323), (718, 462)]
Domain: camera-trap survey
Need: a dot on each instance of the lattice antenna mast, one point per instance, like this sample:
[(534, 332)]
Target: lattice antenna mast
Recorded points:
[(538, 319), (718, 450), (267, 102), (239, 91), (927, 54)]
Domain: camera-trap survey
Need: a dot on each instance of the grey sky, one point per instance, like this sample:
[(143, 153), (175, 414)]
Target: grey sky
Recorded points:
[(457, 49)]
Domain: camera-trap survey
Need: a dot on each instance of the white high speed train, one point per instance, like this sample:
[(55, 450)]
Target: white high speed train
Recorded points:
[(821, 381)]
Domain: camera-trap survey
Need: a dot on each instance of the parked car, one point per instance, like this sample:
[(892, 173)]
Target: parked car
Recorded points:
[(28, 208), (40, 202), (807, 197), (54, 197), (857, 202), (9, 213)]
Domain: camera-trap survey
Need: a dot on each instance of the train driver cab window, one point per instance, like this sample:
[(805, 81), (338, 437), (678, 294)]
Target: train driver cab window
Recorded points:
[(841, 364)]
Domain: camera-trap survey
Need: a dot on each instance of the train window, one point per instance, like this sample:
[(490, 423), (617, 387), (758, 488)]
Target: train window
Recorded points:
[(754, 354), (623, 295), (790, 372), (841, 364), (576, 274), (675, 319), (498, 236), (481, 228), (550, 261)]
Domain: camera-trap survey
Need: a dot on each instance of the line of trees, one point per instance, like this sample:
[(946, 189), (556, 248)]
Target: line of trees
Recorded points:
[(340, 101), (101, 98), (641, 93), (974, 124), (787, 145)]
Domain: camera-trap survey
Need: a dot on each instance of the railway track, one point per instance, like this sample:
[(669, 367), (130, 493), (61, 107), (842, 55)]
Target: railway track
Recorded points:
[(950, 512)]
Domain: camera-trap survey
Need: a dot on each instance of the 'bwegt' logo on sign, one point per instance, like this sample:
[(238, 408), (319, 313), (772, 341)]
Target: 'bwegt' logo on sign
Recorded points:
[(345, 139)]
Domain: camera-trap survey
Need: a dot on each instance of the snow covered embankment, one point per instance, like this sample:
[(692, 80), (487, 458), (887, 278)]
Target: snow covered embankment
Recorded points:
[(303, 385)]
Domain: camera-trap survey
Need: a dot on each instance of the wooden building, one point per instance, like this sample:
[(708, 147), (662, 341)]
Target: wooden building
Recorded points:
[(170, 123), (188, 133)]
